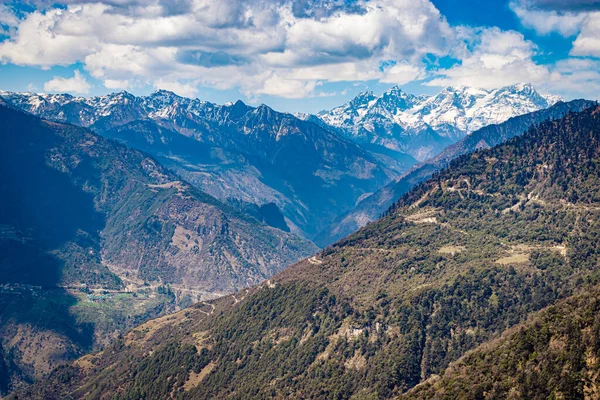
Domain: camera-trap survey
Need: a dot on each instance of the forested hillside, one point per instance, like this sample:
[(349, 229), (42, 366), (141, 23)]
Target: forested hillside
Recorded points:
[(478, 249), (370, 208), (553, 356)]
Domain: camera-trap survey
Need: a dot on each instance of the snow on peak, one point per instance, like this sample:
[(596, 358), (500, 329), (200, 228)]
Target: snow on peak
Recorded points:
[(465, 108), (452, 113), (552, 99)]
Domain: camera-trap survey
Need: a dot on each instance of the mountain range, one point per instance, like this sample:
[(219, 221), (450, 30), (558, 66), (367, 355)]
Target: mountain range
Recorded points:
[(423, 125), (138, 206), (481, 282), (236, 153), (313, 169)]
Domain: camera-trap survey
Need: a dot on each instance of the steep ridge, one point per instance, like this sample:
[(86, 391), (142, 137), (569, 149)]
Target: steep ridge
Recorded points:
[(96, 238), (370, 208), (497, 236), (235, 152), (423, 125)]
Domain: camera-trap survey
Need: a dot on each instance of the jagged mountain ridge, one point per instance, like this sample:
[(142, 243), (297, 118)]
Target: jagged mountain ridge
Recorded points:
[(96, 238), (370, 208), (497, 236), (252, 154), (423, 125)]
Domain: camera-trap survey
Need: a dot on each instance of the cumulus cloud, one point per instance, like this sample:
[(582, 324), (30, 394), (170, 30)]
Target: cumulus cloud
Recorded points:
[(563, 5), (8, 19), (400, 74), (117, 84), (546, 21), (182, 89), (498, 58), (275, 85), (288, 48), (44, 39), (577, 75), (588, 41), (495, 58), (580, 18), (276, 47), (76, 84)]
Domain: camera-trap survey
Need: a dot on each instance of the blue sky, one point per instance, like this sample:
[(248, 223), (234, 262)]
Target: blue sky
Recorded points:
[(303, 55)]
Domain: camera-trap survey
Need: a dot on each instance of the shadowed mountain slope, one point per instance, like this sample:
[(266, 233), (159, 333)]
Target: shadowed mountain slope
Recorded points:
[(235, 152), (96, 237)]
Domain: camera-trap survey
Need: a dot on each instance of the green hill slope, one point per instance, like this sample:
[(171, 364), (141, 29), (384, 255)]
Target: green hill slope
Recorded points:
[(476, 250)]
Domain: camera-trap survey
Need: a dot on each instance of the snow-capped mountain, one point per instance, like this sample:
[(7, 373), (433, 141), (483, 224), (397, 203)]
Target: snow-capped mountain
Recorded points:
[(260, 156), (253, 155), (423, 125), (86, 111)]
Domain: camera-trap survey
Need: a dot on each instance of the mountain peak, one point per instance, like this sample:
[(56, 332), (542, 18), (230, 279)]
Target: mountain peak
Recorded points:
[(166, 94), (362, 99), (121, 94), (396, 89), (397, 92), (238, 109), (366, 95), (524, 87), (552, 99), (263, 108), (163, 92)]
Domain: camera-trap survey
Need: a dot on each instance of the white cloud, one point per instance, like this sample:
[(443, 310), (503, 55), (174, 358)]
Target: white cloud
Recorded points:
[(588, 41), (498, 58), (261, 47), (545, 21), (117, 84), (8, 19), (288, 88), (395, 29), (76, 84), (577, 77), (401, 74), (569, 20), (282, 48), (40, 40)]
